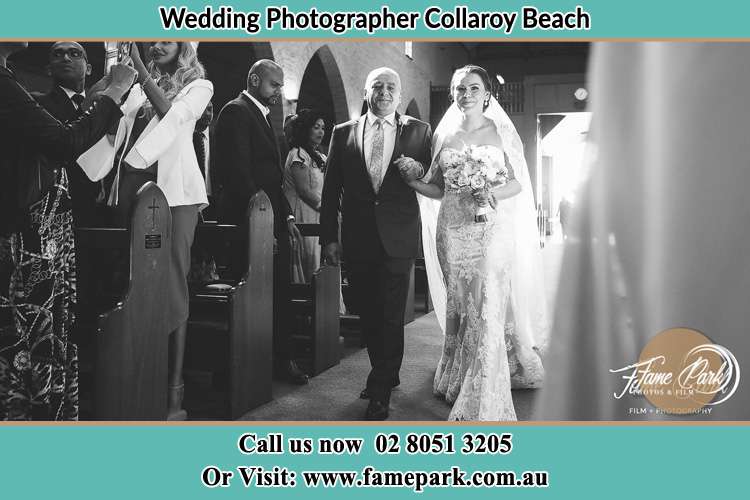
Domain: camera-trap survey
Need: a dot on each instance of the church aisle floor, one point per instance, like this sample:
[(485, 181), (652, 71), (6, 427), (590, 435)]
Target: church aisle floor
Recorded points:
[(334, 394)]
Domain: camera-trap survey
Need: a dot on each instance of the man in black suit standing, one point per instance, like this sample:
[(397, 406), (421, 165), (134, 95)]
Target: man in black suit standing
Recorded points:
[(246, 159), (68, 66), (368, 162)]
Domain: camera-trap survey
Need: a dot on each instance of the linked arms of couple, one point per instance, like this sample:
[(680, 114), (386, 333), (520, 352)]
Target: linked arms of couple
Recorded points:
[(411, 170)]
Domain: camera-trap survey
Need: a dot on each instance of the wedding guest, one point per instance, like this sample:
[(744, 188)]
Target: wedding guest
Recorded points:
[(38, 364), (155, 143), (247, 160), (303, 185), (68, 66)]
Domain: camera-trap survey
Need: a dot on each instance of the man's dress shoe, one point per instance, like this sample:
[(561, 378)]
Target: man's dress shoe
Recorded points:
[(376, 410), (288, 371), (365, 394)]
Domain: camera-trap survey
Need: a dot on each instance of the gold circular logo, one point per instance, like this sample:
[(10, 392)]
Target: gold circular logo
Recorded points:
[(682, 371)]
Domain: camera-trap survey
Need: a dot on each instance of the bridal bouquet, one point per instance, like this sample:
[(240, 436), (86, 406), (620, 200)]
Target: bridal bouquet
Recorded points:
[(475, 168)]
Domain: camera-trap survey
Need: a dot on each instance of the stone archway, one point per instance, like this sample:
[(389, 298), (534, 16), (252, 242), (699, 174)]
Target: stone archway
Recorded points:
[(323, 88), (413, 110)]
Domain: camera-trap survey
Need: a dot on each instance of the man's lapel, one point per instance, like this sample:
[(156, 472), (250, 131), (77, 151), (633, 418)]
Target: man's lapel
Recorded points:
[(264, 124), (360, 139), (397, 149), (359, 132), (67, 107), (259, 115), (271, 136), (397, 142)]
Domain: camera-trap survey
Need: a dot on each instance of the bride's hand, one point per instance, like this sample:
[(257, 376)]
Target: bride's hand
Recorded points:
[(414, 184)]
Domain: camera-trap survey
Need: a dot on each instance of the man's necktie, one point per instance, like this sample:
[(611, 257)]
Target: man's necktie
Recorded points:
[(376, 155), (78, 101)]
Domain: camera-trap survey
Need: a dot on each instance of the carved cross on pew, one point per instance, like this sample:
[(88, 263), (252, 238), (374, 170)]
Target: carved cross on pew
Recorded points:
[(154, 207)]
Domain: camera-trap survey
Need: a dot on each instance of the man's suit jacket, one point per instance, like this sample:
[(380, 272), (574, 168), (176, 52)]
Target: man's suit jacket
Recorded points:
[(389, 218), (25, 127), (246, 159), (83, 192)]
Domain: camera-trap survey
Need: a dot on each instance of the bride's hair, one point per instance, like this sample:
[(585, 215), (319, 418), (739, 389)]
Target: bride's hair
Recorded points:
[(189, 68), (477, 70)]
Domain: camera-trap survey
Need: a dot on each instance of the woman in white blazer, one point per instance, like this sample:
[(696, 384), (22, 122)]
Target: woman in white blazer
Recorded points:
[(153, 142)]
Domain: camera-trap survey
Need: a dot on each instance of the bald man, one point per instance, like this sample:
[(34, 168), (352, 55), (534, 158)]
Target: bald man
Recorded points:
[(246, 159), (68, 67), (369, 162)]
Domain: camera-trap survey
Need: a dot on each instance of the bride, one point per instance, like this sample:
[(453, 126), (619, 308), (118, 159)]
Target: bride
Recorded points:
[(489, 297)]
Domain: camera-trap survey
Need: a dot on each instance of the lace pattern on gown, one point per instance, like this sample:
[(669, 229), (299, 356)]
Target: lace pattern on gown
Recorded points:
[(482, 357)]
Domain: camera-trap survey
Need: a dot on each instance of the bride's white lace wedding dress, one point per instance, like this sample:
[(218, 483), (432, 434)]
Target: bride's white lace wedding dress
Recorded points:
[(483, 356)]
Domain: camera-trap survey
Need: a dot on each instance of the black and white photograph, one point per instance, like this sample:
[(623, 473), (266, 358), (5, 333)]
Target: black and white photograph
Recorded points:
[(373, 230)]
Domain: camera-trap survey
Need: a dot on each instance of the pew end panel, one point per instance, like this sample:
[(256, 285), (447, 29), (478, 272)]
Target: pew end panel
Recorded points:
[(128, 342), (327, 285), (231, 326), (318, 304), (252, 353)]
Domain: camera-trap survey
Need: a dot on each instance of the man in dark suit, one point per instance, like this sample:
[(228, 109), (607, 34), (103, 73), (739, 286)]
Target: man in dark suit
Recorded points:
[(68, 66), (28, 130), (368, 162), (246, 159)]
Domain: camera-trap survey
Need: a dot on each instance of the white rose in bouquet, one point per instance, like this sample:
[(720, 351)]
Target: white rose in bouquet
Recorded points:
[(478, 182), (462, 180)]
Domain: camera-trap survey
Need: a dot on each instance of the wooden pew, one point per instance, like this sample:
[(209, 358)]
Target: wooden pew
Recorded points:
[(317, 303), (230, 330), (125, 338)]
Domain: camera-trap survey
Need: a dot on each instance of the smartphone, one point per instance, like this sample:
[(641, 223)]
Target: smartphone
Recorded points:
[(123, 51), (115, 52)]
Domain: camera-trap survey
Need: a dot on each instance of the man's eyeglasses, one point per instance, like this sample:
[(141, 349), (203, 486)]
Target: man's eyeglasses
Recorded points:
[(73, 53)]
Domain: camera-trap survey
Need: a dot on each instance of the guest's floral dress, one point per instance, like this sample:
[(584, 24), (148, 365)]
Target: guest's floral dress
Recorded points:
[(38, 365)]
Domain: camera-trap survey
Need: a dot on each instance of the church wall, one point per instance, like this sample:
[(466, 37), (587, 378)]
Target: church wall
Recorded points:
[(431, 63)]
